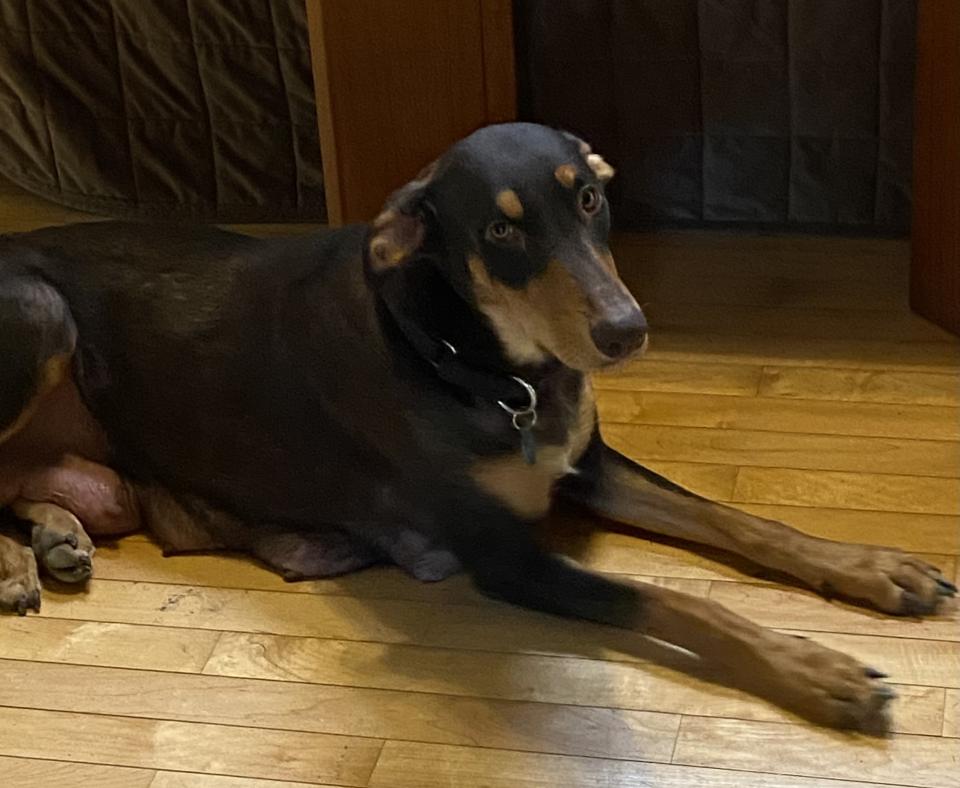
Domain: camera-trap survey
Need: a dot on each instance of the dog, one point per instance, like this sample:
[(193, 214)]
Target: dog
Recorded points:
[(415, 390)]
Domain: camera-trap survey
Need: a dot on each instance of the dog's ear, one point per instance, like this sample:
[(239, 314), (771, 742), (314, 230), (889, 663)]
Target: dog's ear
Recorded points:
[(401, 227), (595, 161)]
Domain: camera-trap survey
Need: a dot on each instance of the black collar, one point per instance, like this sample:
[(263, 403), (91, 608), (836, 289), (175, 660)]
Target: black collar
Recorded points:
[(514, 394)]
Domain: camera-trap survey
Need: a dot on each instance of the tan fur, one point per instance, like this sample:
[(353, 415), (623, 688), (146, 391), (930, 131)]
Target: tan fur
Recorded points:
[(527, 489), (608, 262), (500, 304), (54, 370), (19, 582), (582, 429), (601, 169), (549, 314), (566, 175), (398, 235), (524, 489), (509, 203)]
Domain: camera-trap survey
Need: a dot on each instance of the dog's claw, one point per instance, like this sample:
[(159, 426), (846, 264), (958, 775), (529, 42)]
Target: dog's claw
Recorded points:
[(945, 587), (873, 673), (887, 693)]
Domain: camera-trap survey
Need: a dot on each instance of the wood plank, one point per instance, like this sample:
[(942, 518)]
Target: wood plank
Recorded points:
[(652, 375), (239, 610), (798, 416), (938, 357), (637, 686), (681, 281), (98, 643), (409, 765), (819, 253), (951, 715), (342, 709), (194, 780), (836, 489), (24, 772), (193, 747), (925, 761), (783, 321), (785, 449), (804, 610), (851, 385), (919, 533)]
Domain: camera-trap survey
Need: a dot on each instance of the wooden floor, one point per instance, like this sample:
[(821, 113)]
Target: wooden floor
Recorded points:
[(786, 375)]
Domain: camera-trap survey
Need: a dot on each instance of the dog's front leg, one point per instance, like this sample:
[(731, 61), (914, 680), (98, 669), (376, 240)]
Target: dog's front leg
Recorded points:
[(818, 683), (617, 488)]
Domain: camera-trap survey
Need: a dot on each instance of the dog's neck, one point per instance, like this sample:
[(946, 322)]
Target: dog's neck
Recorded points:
[(435, 319)]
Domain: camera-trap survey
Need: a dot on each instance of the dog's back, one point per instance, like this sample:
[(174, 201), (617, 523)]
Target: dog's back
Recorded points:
[(218, 362)]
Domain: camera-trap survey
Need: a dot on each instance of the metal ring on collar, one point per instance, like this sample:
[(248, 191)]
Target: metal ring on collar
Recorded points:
[(530, 407), (450, 348)]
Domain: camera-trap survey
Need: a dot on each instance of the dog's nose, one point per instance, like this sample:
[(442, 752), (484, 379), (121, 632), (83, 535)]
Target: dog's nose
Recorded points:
[(619, 338)]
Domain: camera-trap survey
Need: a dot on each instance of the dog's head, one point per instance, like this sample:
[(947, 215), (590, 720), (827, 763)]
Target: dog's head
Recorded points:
[(515, 215)]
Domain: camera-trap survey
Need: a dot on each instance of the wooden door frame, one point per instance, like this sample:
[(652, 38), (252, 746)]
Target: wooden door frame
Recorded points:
[(398, 82), (935, 265)]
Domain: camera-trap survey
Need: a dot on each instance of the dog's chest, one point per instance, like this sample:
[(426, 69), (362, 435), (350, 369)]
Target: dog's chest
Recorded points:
[(561, 437)]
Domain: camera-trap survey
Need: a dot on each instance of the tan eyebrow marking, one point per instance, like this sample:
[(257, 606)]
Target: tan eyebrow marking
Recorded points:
[(509, 203), (566, 174), (601, 169)]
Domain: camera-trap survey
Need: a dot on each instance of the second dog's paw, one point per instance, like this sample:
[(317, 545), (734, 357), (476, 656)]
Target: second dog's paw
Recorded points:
[(19, 584)]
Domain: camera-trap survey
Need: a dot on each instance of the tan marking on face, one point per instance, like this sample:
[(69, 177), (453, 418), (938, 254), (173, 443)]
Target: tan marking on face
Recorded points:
[(566, 175), (606, 259), (601, 169), (549, 315), (55, 369), (500, 305), (509, 203)]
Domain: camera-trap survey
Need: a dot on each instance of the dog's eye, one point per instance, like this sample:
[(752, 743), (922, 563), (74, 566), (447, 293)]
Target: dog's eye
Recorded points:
[(590, 200), (502, 232)]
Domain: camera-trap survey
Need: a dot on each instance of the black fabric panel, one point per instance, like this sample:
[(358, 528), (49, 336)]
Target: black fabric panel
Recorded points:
[(201, 109), (761, 112)]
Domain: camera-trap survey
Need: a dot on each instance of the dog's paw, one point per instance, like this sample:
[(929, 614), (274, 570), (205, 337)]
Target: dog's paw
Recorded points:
[(891, 580), (827, 686), (61, 545), (19, 583)]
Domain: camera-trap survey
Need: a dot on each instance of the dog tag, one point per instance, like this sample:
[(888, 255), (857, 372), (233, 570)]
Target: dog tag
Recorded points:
[(524, 420), (528, 443)]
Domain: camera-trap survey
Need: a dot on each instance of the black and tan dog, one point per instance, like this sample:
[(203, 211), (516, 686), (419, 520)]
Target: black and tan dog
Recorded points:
[(415, 390)]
